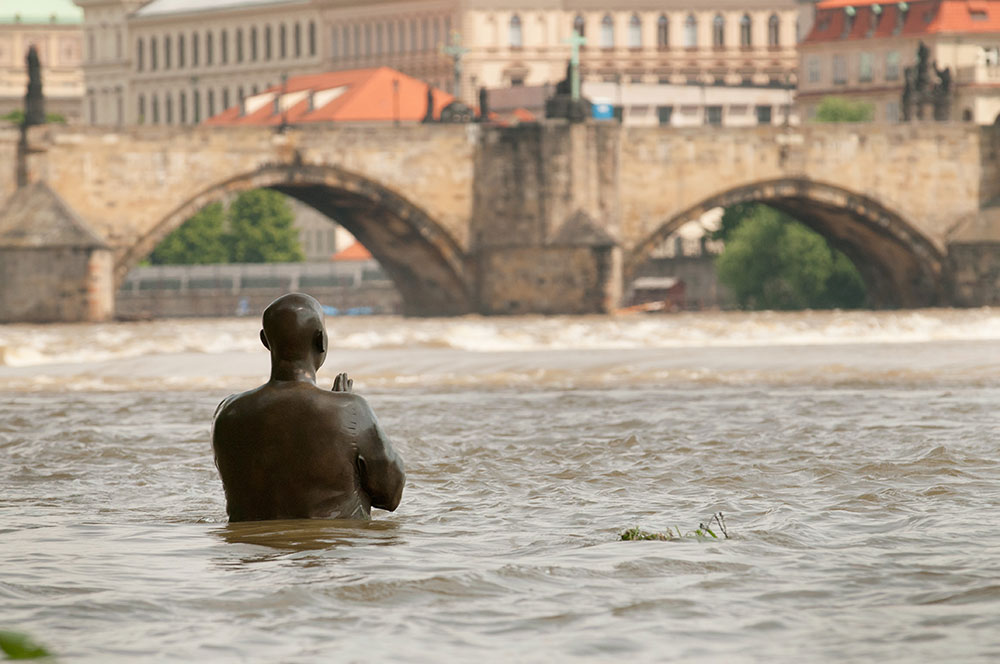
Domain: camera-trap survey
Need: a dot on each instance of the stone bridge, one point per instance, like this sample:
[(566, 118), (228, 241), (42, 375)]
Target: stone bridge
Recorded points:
[(548, 218)]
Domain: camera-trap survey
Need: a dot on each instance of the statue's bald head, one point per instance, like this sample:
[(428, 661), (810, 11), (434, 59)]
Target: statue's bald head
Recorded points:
[(293, 328)]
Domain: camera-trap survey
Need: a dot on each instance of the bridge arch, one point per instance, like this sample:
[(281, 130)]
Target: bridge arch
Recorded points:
[(424, 261), (900, 266)]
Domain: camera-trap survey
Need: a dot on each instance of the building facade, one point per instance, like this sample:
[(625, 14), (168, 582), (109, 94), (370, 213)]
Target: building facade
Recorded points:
[(860, 50), (197, 58), (53, 27)]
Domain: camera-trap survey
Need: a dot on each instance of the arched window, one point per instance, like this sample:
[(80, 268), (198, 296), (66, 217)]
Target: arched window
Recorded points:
[(140, 52), (773, 31), (180, 52), (718, 31), (282, 42), (579, 25), (634, 32), (141, 114), (239, 44), (182, 108), (746, 31), (268, 52), (690, 32), (209, 50), (253, 43), (195, 55), (663, 32), (156, 109), (166, 52), (607, 32), (312, 38), (224, 47), (298, 40), (516, 35)]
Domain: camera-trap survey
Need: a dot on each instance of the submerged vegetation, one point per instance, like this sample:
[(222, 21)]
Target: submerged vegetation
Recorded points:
[(772, 261), (15, 645), (703, 531)]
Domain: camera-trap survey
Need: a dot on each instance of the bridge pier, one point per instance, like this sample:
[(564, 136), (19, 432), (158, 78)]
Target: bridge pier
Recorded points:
[(545, 225)]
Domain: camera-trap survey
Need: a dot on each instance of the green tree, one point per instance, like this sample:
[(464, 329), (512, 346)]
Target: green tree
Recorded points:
[(261, 229), (199, 240), (838, 109), (772, 261), (17, 117)]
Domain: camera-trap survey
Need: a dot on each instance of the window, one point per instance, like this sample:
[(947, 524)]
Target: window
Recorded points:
[(713, 115), (690, 32), (368, 40), (579, 25), (892, 66), (425, 33), (312, 38), (516, 36), (892, 111), (634, 32), (141, 110), (225, 98), (211, 103), (154, 54), (413, 36), (224, 47), (813, 69), (118, 49), (357, 41), (763, 115), (379, 42), (746, 31), (773, 31), (267, 42), (253, 43), (168, 110), (390, 38), (166, 52), (155, 104), (664, 114), (180, 52), (437, 33), (239, 45), (849, 14), (209, 51), (345, 38), (196, 102), (335, 42), (718, 31), (195, 55), (139, 53), (662, 32), (282, 41), (865, 67), (297, 38), (607, 32), (839, 69)]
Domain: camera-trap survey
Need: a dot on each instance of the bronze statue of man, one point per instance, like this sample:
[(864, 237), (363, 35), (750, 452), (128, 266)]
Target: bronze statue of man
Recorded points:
[(291, 450)]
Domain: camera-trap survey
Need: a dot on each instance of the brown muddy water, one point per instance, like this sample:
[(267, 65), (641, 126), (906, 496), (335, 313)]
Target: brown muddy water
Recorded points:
[(854, 455)]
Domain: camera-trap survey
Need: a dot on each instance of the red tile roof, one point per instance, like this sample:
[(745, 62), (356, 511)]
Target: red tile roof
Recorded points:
[(357, 95), (924, 17), (355, 252)]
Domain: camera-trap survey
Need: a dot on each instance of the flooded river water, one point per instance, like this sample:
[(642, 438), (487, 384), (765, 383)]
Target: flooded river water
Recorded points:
[(854, 455)]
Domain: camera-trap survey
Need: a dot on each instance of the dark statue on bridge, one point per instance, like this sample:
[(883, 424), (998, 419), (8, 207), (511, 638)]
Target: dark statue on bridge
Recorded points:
[(34, 102), (919, 91), (292, 450), (563, 104)]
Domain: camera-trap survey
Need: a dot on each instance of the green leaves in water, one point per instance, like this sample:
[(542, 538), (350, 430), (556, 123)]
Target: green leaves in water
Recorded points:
[(20, 646), (703, 531)]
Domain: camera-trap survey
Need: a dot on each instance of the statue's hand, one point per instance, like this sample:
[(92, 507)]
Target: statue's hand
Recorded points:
[(342, 383)]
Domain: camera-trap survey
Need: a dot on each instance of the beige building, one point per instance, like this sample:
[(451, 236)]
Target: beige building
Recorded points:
[(53, 28), (179, 61), (861, 51)]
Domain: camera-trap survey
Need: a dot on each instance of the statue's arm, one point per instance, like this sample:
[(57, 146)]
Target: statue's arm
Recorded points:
[(381, 469)]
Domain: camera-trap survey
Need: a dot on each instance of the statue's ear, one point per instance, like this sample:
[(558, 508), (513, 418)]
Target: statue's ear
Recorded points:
[(319, 341), (263, 340)]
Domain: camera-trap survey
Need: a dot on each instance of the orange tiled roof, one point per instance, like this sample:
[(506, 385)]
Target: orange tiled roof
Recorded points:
[(357, 95), (924, 17), (355, 252)]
